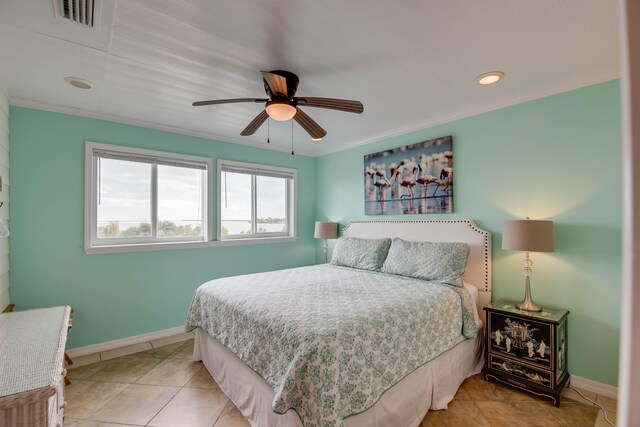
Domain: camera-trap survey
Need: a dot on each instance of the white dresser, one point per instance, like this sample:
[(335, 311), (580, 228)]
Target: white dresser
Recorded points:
[(32, 367)]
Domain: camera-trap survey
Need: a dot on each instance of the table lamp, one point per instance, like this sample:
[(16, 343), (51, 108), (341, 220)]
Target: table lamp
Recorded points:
[(528, 236), (326, 230)]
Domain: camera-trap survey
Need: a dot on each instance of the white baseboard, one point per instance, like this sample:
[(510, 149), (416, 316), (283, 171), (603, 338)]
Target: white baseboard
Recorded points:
[(123, 342), (576, 381), (594, 386)]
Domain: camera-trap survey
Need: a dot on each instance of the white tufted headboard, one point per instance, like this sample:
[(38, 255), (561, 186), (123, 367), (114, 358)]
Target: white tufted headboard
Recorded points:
[(478, 271)]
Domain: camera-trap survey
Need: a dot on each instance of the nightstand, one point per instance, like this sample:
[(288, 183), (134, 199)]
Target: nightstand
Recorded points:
[(527, 350)]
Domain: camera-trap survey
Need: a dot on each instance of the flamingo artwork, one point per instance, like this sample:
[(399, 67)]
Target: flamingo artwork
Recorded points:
[(446, 177), (424, 179), (381, 181), (395, 171), (369, 173), (391, 177), (409, 168)]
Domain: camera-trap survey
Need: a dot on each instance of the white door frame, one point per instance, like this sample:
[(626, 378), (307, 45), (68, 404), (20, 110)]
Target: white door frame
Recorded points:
[(629, 372)]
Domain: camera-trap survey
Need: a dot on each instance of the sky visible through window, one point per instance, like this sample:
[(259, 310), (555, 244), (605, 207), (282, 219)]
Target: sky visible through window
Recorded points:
[(235, 201), (124, 199)]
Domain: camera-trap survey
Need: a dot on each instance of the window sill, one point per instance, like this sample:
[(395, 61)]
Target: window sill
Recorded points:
[(146, 247), (254, 240)]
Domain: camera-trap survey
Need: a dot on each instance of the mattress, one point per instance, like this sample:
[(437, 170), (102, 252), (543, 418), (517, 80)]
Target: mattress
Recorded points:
[(330, 341)]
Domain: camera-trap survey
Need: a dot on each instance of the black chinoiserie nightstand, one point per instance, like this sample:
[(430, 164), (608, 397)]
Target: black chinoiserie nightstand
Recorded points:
[(527, 350)]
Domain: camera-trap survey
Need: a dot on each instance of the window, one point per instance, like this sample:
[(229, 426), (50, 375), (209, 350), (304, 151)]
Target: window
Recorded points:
[(142, 198), (255, 202)]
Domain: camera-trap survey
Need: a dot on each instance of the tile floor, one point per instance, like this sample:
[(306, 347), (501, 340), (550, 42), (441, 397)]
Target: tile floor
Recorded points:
[(157, 384)]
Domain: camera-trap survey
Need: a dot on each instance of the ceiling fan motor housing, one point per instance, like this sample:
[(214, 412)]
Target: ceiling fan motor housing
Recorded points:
[(292, 85)]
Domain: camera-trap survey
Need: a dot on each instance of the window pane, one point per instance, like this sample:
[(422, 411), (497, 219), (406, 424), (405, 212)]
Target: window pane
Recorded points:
[(271, 199), (180, 201), (235, 203), (124, 199)]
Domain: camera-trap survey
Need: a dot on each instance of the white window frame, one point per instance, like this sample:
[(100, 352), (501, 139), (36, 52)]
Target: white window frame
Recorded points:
[(92, 244), (292, 203)]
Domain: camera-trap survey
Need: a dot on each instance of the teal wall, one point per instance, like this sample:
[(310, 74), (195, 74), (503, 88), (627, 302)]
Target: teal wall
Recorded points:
[(124, 294), (556, 158)]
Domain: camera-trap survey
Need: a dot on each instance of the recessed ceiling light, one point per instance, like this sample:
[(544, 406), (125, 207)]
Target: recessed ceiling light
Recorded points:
[(490, 78), (316, 139), (79, 83)]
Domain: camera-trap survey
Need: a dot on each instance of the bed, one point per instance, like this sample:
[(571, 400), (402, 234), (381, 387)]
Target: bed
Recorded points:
[(337, 346)]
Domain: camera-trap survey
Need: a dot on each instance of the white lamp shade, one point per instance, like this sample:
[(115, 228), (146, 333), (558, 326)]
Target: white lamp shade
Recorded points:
[(528, 235), (326, 230)]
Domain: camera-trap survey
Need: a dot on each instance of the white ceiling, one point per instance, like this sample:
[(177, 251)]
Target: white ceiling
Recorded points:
[(412, 63)]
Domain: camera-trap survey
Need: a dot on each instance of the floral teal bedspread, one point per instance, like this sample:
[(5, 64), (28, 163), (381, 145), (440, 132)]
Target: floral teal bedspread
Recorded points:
[(331, 340)]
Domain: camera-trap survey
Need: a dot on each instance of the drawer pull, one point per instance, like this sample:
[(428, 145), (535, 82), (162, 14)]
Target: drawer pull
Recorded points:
[(64, 372), (64, 405)]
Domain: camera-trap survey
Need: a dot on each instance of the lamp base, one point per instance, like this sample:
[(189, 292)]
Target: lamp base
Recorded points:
[(528, 306), (326, 250), (527, 303)]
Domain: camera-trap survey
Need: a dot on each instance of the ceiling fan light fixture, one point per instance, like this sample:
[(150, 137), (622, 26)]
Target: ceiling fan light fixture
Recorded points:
[(490, 78), (316, 139), (280, 110)]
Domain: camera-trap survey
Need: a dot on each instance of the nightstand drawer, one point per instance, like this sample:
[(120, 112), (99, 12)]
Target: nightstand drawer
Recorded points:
[(517, 373), (527, 340)]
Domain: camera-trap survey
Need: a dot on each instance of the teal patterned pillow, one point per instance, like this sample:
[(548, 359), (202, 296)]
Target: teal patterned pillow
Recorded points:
[(436, 261), (365, 254)]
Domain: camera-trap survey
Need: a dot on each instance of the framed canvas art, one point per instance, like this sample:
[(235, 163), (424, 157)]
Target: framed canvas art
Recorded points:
[(414, 179)]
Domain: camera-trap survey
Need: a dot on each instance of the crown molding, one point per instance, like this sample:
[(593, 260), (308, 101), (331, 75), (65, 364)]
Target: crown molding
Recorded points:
[(531, 95), (36, 105)]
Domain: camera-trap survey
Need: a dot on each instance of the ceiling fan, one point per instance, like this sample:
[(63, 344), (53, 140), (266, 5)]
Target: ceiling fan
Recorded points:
[(282, 105)]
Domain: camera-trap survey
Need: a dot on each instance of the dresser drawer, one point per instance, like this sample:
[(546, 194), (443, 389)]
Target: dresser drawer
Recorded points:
[(528, 340), (519, 374)]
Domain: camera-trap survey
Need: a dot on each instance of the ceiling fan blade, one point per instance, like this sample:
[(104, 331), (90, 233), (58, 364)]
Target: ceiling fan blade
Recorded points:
[(255, 124), (309, 124), (277, 83), (228, 101), (332, 103)]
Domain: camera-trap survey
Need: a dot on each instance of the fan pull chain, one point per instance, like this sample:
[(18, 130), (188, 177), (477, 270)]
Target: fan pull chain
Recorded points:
[(292, 137), (268, 131)]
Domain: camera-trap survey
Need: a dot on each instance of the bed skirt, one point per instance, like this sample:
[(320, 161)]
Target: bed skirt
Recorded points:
[(432, 386)]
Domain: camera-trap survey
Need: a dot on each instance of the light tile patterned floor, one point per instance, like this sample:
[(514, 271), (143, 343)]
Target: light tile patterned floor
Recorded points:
[(157, 384), (153, 384)]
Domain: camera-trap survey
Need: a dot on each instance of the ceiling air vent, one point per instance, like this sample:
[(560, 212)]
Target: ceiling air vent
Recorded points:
[(79, 11)]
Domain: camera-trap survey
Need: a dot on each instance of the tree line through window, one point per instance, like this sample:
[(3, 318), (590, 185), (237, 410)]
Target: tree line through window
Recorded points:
[(165, 229)]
